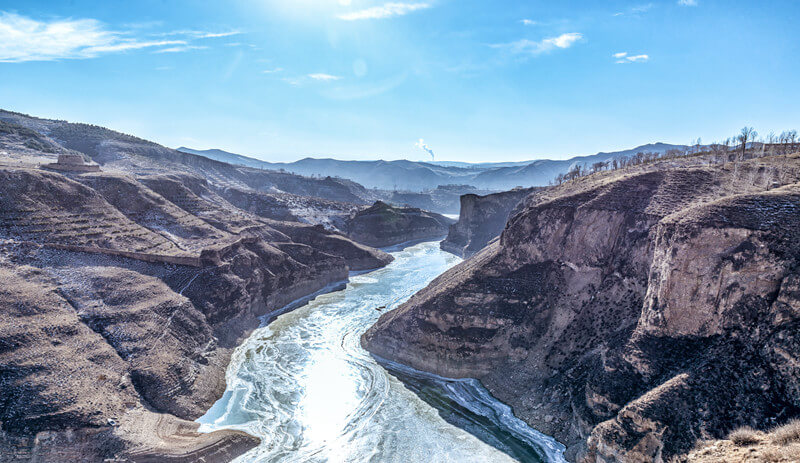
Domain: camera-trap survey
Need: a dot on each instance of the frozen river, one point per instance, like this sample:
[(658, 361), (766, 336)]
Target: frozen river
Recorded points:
[(304, 385)]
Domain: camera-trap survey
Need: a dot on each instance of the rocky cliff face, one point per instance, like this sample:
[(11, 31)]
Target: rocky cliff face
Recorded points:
[(628, 315), (481, 219), (384, 225), (124, 295)]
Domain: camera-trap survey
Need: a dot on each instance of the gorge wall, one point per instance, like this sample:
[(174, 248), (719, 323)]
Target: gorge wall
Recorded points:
[(481, 219), (628, 314)]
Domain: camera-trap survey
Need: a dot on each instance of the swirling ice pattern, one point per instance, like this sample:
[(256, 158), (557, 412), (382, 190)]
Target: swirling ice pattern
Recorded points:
[(304, 385)]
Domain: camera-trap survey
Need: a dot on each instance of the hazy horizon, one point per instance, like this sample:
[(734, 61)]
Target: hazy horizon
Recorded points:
[(343, 157)]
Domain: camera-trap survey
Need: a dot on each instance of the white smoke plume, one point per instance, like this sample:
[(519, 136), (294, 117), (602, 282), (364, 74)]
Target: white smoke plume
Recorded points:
[(421, 145)]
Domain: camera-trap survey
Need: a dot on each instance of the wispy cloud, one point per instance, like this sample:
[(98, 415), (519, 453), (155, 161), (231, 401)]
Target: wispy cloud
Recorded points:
[(533, 47), (625, 58), (298, 81), (124, 45), (528, 22), (180, 49), (386, 10), (26, 39), (196, 34), (271, 71), (639, 9), (643, 8), (323, 77), (687, 2), (293, 81), (214, 35)]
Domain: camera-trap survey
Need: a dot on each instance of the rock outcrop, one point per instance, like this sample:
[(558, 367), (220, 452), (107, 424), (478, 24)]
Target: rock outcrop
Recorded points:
[(126, 291), (481, 219), (383, 225), (72, 163), (627, 314)]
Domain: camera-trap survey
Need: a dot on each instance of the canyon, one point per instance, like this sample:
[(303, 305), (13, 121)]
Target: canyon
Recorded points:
[(630, 314), (306, 387), (634, 315)]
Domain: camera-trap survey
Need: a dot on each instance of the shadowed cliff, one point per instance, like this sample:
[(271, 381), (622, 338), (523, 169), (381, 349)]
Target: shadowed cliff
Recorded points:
[(481, 220), (628, 314)]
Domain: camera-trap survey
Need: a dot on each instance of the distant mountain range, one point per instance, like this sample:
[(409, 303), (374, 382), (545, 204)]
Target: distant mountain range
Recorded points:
[(422, 176)]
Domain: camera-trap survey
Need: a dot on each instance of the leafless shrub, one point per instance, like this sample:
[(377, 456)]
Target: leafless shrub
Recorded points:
[(790, 432), (744, 436)]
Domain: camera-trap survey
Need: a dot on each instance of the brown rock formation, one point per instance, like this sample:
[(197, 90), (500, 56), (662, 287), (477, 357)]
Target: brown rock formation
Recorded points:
[(35, 140), (481, 219), (383, 225), (72, 163), (627, 314)]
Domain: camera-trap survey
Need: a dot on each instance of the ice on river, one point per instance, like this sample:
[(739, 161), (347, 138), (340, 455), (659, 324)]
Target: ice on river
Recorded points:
[(304, 385)]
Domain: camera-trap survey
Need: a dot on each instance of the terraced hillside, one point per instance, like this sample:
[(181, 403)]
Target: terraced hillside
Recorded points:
[(126, 290), (33, 141)]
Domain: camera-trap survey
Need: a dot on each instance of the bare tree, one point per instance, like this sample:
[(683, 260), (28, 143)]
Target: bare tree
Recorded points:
[(696, 145), (771, 141), (783, 139), (746, 134), (720, 152), (574, 173)]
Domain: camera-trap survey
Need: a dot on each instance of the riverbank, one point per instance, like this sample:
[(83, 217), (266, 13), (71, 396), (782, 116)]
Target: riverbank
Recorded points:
[(304, 385)]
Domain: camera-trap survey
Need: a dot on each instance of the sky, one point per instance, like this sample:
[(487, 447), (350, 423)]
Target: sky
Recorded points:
[(469, 80)]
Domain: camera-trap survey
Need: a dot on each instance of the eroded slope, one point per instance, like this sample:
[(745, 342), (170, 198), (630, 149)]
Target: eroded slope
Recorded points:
[(125, 293)]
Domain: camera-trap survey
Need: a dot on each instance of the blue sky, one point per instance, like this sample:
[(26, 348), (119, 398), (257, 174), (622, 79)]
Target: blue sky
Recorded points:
[(364, 79)]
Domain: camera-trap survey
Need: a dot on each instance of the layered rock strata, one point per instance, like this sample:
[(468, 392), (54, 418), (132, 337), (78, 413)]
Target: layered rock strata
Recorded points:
[(628, 314)]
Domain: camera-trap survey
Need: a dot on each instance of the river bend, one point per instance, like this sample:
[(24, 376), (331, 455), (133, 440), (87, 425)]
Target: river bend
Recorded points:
[(304, 385)]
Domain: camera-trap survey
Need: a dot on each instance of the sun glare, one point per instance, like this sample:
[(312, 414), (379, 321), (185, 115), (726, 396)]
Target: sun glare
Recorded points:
[(331, 395)]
